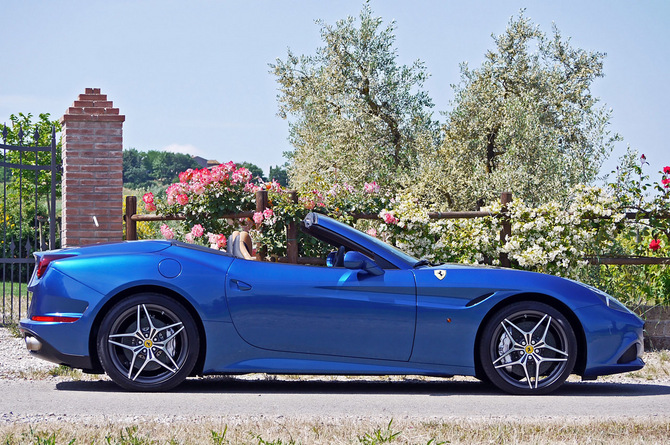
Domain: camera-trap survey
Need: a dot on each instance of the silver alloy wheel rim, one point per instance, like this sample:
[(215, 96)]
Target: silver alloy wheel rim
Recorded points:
[(529, 350), (148, 343)]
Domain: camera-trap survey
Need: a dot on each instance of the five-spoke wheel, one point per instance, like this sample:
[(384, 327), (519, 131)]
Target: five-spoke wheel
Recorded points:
[(148, 342), (528, 348)]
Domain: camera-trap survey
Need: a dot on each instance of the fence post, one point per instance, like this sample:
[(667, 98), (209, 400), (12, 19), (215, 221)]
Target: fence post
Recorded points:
[(506, 230), (292, 235), (261, 205), (131, 226)]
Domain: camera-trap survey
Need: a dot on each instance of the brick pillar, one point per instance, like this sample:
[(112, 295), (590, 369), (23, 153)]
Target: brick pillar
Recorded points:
[(92, 171)]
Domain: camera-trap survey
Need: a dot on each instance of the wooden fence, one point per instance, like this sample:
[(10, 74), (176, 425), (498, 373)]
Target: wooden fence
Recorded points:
[(131, 219)]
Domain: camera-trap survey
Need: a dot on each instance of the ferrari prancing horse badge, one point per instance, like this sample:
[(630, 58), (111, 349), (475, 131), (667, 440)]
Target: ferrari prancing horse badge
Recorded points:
[(440, 274)]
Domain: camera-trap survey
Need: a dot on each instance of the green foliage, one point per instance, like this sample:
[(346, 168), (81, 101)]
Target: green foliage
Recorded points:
[(18, 206), (636, 192), (13, 328), (142, 170), (280, 174), (130, 437), (356, 115), (220, 438), (42, 128), (379, 436), (525, 121)]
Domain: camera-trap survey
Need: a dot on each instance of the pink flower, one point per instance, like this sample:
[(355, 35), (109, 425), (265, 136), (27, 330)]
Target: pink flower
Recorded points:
[(182, 199), (389, 218), (150, 207), (198, 188), (189, 238), (197, 231), (148, 198), (666, 182), (666, 169), (372, 232), (186, 176), (172, 192), (655, 244), (250, 187), (217, 241), (268, 213), (258, 217), (371, 187), (167, 232)]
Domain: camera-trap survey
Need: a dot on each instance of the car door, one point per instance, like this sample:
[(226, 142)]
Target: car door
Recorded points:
[(320, 310)]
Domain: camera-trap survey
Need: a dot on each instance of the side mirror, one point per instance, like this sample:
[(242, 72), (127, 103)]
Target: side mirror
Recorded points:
[(356, 260)]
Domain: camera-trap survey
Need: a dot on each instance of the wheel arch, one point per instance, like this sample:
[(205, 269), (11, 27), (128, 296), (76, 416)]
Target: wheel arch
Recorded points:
[(93, 350), (575, 324)]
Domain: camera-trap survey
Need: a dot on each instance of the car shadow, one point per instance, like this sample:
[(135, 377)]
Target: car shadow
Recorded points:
[(232, 385)]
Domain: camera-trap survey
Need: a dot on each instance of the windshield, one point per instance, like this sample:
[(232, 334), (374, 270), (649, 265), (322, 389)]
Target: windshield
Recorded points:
[(405, 257)]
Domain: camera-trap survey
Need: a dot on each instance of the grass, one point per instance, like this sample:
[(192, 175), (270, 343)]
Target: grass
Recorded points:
[(283, 431), (56, 371), (14, 302), (657, 366)]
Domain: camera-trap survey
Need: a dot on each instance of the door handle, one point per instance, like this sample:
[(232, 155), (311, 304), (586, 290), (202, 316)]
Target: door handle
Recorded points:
[(241, 285)]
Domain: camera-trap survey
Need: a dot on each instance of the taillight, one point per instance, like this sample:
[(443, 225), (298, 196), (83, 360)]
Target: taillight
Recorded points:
[(54, 318), (43, 265)]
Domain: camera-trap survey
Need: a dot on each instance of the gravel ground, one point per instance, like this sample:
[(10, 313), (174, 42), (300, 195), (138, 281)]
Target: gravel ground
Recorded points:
[(15, 360)]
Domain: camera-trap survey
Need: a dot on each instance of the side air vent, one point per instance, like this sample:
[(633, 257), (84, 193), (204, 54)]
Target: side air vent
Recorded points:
[(479, 299)]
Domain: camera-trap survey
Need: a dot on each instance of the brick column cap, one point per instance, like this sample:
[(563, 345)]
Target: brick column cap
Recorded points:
[(92, 106)]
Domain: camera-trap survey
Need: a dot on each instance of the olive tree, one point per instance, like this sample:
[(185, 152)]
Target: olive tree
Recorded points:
[(525, 121), (354, 113)]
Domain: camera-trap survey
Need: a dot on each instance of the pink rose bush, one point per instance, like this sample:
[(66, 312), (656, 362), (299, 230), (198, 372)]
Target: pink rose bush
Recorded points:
[(203, 196)]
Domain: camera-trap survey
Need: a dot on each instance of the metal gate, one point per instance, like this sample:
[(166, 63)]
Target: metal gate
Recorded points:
[(29, 178)]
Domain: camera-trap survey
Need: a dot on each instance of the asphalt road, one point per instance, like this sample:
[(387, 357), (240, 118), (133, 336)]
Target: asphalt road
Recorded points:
[(370, 398)]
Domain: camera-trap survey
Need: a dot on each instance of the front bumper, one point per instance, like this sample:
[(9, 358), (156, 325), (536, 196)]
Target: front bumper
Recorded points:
[(614, 341)]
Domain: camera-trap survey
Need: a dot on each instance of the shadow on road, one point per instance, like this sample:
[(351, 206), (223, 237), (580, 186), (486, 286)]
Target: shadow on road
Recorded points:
[(232, 385)]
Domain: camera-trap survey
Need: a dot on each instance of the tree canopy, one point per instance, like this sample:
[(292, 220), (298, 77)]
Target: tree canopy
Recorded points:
[(525, 121), (355, 114), (143, 170)]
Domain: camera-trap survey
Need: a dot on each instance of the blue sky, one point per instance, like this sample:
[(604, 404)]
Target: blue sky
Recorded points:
[(194, 77)]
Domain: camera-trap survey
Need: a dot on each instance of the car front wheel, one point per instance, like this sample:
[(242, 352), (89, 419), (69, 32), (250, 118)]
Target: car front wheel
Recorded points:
[(528, 348), (148, 342)]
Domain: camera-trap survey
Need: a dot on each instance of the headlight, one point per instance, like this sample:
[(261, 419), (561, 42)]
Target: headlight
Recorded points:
[(610, 301), (615, 304), (606, 298)]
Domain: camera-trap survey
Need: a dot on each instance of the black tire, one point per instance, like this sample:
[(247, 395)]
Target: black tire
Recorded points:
[(148, 342), (518, 338)]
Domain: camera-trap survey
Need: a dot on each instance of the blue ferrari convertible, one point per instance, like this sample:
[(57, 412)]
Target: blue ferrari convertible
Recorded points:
[(152, 313)]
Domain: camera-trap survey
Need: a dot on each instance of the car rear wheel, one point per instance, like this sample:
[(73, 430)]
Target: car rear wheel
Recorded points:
[(528, 348), (148, 342)]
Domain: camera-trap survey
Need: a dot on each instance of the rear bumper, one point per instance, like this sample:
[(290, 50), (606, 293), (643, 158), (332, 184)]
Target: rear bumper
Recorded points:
[(42, 349)]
